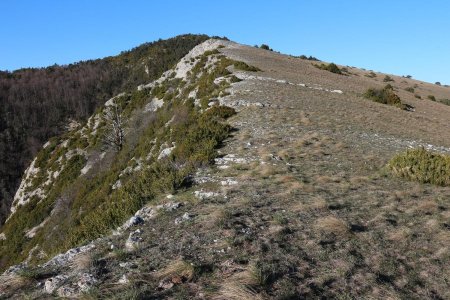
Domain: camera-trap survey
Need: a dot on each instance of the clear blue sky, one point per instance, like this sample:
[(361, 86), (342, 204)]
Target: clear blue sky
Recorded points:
[(400, 37)]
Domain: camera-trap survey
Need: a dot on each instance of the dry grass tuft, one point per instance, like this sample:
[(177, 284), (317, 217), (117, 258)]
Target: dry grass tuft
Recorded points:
[(325, 179), (284, 154), (359, 180), (427, 207), (13, 283), (213, 217), (239, 287), (317, 203), (304, 118), (177, 268), (332, 225), (267, 170), (82, 262), (399, 235)]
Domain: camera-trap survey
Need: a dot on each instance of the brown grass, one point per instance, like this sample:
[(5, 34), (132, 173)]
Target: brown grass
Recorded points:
[(13, 283), (82, 262), (317, 203), (267, 170), (332, 225), (325, 179), (427, 207), (238, 287), (177, 268), (399, 235)]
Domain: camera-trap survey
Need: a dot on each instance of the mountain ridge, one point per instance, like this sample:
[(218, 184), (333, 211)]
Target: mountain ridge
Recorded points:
[(297, 202)]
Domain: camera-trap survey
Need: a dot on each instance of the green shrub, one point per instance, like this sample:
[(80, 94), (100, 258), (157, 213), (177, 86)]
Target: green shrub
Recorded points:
[(240, 65), (388, 87), (333, 68), (431, 97), (409, 89), (387, 78), (211, 52), (437, 83), (422, 166), (220, 111), (159, 91), (312, 58), (265, 47), (445, 101), (384, 96), (234, 79), (371, 75), (44, 155)]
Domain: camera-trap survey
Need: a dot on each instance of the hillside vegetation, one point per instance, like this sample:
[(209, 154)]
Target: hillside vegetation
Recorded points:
[(37, 104), (90, 204)]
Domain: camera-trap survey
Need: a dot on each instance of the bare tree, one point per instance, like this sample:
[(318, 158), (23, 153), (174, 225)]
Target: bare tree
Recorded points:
[(115, 132)]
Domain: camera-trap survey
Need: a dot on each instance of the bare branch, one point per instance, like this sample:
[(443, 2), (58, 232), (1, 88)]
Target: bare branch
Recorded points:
[(115, 132)]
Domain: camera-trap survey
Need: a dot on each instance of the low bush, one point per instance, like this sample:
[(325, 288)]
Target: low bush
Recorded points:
[(265, 47), (211, 52), (333, 68), (431, 97), (240, 65), (312, 58), (384, 96), (234, 79), (409, 89), (220, 111), (422, 166), (387, 78), (388, 87), (371, 75), (445, 101)]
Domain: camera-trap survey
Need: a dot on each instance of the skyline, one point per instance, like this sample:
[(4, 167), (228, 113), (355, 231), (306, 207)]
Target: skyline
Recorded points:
[(401, 38)]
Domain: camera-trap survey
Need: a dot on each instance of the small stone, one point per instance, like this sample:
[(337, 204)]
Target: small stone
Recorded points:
[(205, 195), (228, 181), (124, 280), (133, 240), (136, 220), (53, 283), (66, 292), (165, 284), (185, 217), (171, 206), (86, 281)]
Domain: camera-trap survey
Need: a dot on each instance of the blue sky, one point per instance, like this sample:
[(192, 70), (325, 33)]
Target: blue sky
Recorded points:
[(399, 37)]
